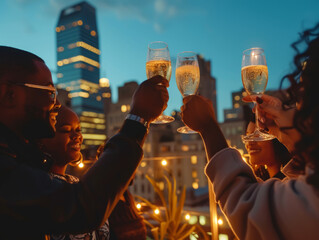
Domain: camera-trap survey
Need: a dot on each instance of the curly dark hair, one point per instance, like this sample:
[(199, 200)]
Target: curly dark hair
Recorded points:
[(304, 85)]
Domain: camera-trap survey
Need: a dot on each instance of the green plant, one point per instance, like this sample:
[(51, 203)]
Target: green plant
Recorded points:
[(169, 224)]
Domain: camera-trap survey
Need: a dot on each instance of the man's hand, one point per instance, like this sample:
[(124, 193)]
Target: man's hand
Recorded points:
[(150, 98), (198, 113)]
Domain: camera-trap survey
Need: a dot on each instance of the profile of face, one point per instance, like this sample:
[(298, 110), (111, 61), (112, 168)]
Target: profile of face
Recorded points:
[(66, 145), (261, 153), (40, 107)]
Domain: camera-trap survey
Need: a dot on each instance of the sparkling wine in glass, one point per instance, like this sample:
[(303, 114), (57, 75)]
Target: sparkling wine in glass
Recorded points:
[(158, 62), (187, 78), (254, 74)]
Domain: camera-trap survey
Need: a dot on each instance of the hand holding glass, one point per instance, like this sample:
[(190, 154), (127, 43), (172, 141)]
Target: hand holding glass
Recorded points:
[(254, 74), (187, 78), (158, 62)]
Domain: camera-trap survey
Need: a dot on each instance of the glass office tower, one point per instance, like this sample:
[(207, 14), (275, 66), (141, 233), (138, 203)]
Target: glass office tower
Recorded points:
[(78, 61)]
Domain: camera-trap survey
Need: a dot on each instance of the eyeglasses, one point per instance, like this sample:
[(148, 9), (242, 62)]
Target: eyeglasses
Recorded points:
[(51, 89)]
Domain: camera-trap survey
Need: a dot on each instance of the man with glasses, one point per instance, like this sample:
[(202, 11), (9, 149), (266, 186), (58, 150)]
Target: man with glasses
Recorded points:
[(32, 204)]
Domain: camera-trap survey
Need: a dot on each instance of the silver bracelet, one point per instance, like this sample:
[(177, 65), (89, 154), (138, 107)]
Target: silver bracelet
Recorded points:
[(137, 119)]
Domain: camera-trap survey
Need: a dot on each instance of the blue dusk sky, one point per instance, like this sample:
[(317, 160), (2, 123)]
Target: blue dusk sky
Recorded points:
[(218, 30)]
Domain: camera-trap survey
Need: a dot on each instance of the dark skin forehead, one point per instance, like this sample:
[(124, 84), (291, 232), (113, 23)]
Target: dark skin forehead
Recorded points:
[(66, 117), (42, 76)]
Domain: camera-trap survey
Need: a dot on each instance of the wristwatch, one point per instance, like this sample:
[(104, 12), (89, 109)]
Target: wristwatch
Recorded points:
[(137, 119)]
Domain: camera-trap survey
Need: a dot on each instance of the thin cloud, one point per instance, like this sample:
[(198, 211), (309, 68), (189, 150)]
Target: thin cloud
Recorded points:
[(156, 12)]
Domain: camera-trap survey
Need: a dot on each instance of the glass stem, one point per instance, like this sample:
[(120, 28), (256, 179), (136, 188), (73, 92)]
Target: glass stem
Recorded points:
[(256, 117)]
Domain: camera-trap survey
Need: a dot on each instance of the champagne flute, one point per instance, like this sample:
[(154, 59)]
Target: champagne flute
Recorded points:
[(158, 62), (254, 74), (187, 78)]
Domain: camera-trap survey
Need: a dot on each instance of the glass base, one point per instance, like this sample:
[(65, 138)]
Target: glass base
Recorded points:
[(257, 136), (185, 130), (162, 119)]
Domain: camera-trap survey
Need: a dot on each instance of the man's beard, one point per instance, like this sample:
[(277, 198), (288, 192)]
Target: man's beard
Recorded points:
[(38, 126)]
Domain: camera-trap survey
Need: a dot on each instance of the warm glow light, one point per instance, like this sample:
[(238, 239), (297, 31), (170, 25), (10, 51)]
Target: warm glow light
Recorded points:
[(164, 162), (195, 185), (106, 95), (194, 159), (81, 165), (156, 211), (104, 82), (79, 58), (123, 108), (220, 221), (143, 164), (187, 216), (94, 136), (138, 206), (93, 33), (80, 22)]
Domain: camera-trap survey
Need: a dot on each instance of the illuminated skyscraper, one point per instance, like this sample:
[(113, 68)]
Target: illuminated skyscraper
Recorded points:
[(78, 61)]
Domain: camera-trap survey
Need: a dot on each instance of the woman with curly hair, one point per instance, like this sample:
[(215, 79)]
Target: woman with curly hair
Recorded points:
[(273, 209)]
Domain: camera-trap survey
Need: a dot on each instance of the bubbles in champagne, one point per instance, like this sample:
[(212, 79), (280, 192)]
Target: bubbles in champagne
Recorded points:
[(159, 67), (255, 78), (187, 79)]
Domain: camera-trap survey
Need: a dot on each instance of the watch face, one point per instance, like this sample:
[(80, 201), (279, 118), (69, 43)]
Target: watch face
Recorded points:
[(137, 119)]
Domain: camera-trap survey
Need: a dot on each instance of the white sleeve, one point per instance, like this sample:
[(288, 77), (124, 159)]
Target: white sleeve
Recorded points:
[(272, 209)]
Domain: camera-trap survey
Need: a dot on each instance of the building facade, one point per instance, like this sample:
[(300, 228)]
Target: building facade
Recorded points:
[(78, 62)]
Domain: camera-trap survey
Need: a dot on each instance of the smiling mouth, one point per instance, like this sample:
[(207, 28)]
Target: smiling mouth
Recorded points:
[(252, 151), (76, 147)]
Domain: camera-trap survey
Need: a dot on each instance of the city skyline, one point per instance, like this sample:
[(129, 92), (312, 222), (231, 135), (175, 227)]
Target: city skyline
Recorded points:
[(220, 31)]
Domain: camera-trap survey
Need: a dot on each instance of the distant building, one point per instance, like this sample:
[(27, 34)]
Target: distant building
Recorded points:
[(237, 118), (78, 61), (207, 85), (116, 112)]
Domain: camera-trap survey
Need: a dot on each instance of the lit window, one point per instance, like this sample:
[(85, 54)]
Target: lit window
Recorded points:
[(85, 87), (80, 22), (123, 108), (223, 237), (60, 63), (98, 98), (195, 185), (57, 29), (94, 136), (236, 105), (202, 220), (62, 28), (60, 49), (143, 164), (161, 185), (237, 97), (194, 159), (244, 94), (104, 82), (192, 220), (93, 33), (79, 58), (106, 95), (79, 94), (194, 174), (185, 148)]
